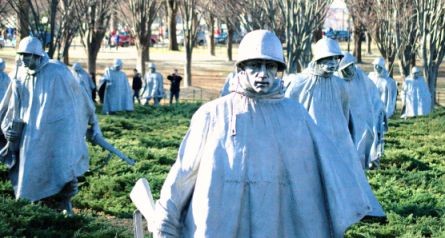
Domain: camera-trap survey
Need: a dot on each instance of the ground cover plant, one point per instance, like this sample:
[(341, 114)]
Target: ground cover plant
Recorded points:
[(410, 184)]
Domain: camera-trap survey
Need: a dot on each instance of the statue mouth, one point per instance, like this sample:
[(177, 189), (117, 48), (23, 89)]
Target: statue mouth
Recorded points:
[(261, 84)]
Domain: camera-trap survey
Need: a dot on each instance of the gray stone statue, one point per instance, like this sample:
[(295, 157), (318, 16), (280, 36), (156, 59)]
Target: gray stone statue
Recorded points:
[(153, 86), (387, 86), (416, 97), (118, 95), (326, 99), (4, 79), (55, 114), (254, 164), (84, 79), (367, 111)]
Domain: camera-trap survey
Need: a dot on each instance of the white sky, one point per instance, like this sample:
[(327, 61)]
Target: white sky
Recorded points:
[(338, 4)]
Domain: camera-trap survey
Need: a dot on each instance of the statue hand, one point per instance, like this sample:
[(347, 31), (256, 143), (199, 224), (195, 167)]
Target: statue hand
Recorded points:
[(12, 135)]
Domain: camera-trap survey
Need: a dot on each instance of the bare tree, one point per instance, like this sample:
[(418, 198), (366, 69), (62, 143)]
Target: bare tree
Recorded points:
[(172, 12), (407, 35), (383, 32), (228, 12), (395, 32), (190, 25), (139, 15), (210, 17), (92, 32), (431, 24), (5, 10), (69, 27), (262, 14), (360, 11), (302, 18), (38, 17)]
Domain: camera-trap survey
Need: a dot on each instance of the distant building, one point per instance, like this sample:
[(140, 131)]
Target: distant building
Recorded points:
[(338, 16)]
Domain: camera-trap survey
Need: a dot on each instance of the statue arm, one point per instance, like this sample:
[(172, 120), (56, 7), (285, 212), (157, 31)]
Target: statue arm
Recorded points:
[(178, 188)]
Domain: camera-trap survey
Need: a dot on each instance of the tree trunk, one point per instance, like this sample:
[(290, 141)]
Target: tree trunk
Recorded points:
[(172, 12), (318, 34), (66, 49), (23, 19), (188, 65), (212, 36), (358, 45), (431, 76), (142, 58), (92, 57), (230, 32), (369, 42)]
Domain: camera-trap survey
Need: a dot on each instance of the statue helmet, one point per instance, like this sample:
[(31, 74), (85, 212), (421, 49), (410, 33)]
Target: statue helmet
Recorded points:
[(379, 61), (326, 47), (415, 70), (261, 44), (151, 66), (2, 64), (77, 67), (347, 60), (31, 45), (118, 63)]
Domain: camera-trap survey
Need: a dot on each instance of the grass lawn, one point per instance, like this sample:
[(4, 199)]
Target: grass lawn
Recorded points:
[(410, 184)]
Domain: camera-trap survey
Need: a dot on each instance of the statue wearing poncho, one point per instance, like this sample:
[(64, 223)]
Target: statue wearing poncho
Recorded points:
[(4, 79), (253, 164), (367, 111), (386, 85), (118, 94), (416, 97), (326, 99), (56, 113)]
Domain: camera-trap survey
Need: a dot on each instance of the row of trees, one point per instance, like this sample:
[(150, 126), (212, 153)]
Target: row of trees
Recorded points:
[(402, 29), (91, 19)]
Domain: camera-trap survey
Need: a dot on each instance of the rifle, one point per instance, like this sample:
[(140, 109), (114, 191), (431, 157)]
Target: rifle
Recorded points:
[(102, 142), (142, 198), (9, 152)]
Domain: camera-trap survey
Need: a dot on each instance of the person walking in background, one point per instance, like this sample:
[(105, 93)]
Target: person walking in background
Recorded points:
[(116, 40), (137, 85), (175, 80)]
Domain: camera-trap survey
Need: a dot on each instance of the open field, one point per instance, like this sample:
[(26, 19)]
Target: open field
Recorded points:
[(410, 184), (208, 72)]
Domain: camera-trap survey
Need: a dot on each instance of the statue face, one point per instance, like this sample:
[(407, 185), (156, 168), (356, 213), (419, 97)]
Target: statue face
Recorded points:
[(30, 61), (329, 64), (417, 75), (378, 69), (261, 74), (349, 71)]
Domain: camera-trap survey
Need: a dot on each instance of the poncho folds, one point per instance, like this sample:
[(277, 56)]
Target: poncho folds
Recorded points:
[(4, 83), (153, 85), (56, 112), (368, 116), (118, 94), (416, 97), (257, 166), (387, 87), (326, 99), (85, 81)]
